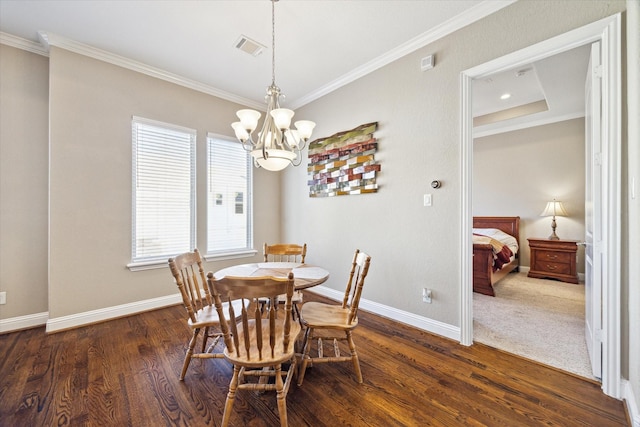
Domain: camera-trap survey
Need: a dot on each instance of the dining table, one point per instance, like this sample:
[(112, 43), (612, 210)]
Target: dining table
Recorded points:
[(304, 275)]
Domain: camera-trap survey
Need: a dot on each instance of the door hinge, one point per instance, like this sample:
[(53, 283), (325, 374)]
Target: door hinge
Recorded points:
[(597, 71), (597, 157), (597, 247), (597, 335)]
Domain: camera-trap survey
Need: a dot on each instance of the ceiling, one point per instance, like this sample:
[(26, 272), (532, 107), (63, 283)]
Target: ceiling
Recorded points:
[(558, 82), (320, 45)]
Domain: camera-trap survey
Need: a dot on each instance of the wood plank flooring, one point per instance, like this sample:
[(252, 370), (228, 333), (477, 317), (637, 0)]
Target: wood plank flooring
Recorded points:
[(125, 373)]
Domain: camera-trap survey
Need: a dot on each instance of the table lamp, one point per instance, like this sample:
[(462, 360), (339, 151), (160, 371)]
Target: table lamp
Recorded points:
[(554, 208)]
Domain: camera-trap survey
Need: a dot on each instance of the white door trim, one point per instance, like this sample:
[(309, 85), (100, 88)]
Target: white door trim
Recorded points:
[(607, 31)]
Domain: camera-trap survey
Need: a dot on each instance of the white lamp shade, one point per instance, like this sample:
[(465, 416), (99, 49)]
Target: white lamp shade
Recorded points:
[(305, 128), (282, 117), (554, 208), (249, 119), (276, 161), (241, 132)]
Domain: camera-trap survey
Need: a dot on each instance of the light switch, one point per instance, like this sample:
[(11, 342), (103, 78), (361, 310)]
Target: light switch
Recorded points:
[(427, 199)]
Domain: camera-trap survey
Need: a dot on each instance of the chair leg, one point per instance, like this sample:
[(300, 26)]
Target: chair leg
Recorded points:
[(231, 397), (305, 355), (187, 357), (205, 337), (281, 397), (354, 356), (296, 314)]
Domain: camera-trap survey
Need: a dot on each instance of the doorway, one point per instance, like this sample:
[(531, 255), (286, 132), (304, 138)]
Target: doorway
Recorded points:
[(608, 32)]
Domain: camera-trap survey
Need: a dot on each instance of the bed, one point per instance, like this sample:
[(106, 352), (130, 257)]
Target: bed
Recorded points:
[(485, 276)]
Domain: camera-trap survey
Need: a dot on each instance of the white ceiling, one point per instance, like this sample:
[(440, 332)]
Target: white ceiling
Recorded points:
[(320, 44), (559, 80)]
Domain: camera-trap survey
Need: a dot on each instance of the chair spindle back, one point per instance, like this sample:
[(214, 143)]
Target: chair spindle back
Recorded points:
[(285, 252), (189, 276), (255, 338), (353, 291)]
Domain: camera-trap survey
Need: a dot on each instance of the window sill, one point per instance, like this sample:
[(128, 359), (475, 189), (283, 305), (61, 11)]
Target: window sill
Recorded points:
[(221, 256), (151, 265), (148, 265)]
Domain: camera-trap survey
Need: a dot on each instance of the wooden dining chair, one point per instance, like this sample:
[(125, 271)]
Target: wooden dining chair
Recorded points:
[(189, 275), (321, 319), (286, 252), (260, 343)]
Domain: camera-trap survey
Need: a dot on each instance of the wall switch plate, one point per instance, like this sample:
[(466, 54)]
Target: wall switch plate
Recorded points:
[(426, 295), (427, 200), (3, 297)]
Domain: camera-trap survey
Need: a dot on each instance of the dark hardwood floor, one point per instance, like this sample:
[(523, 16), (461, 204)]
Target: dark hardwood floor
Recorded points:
[(125, 373)]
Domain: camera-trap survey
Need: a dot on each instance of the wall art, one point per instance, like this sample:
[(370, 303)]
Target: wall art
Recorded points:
[(344, 163)]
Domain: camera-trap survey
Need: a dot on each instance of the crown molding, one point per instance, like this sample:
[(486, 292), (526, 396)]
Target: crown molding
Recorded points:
[(50, 39), (24, 44), (472, 15)]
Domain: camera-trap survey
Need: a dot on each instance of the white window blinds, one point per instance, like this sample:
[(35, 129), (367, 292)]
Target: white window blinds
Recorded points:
[(163, 190), (229, 198)]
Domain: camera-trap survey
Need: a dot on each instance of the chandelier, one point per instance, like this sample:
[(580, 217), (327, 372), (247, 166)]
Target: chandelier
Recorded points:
[(277, 145)]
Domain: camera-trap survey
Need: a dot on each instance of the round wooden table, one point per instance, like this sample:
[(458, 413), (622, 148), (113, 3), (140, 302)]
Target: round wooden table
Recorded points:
[(304, 275)]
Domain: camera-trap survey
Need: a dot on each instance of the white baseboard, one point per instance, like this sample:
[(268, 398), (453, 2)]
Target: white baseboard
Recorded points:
[(100, 315), (23, 322), (632, 408), (424, 323)]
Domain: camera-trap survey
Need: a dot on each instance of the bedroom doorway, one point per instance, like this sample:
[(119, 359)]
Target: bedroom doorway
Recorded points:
[(608, 32)]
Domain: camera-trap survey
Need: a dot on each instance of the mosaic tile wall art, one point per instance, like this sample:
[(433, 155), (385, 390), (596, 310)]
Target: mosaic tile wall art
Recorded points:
[(344, 163)]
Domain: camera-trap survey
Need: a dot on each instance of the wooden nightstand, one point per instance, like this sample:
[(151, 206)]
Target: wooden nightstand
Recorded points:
[(553, 259)]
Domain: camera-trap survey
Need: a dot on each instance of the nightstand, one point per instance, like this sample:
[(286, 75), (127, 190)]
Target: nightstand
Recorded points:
[(553, 259)]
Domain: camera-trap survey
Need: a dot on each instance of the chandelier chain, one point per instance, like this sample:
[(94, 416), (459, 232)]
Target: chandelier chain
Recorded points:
[(273, 42)]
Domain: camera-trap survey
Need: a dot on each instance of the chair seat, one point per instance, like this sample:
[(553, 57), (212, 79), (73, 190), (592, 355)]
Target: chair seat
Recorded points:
[(208, 315), (320, 315), (279, 355)]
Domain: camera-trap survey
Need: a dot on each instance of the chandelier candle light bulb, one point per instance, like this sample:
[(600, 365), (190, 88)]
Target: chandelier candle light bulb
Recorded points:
[(277, 146)]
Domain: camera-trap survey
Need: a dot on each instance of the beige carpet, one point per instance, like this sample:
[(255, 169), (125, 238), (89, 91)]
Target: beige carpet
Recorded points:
[(538, 319)]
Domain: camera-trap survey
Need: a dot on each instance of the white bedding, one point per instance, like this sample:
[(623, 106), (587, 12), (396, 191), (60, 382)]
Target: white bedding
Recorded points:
[(500, 236)]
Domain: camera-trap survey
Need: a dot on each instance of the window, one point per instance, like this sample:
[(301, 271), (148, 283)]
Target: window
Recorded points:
[(229, 213), (163, 190)]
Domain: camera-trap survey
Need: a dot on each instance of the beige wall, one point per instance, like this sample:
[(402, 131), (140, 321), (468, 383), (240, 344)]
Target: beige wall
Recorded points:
[(419, 140), (23, 181), (516, 173), (91, 106)]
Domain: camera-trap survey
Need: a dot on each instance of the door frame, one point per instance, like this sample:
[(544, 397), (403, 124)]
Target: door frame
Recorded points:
[(608, 31)]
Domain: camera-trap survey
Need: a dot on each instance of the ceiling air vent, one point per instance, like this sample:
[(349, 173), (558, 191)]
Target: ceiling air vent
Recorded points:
[(249, 46)]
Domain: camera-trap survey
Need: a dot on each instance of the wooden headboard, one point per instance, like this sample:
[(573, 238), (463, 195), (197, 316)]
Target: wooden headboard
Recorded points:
[(508, 224)]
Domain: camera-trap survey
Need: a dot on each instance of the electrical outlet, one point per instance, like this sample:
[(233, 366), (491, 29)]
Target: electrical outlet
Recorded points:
[(426, 295), (3, 297)]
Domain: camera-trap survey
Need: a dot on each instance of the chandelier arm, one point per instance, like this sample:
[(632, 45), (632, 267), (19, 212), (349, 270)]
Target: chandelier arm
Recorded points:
[(248, 144), (298, 156)]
